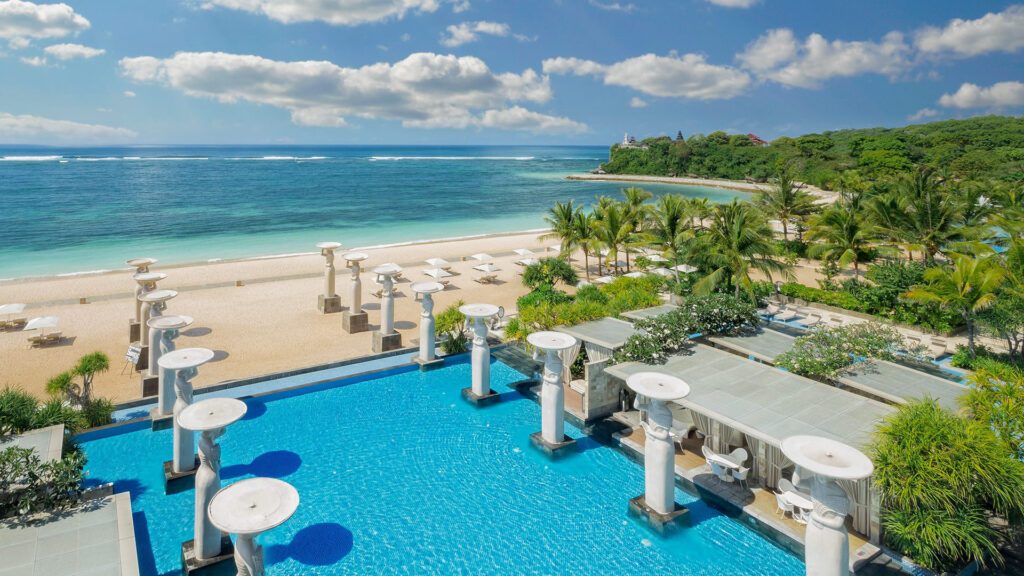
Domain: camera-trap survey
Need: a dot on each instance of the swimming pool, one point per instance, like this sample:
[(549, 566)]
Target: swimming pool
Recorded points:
[(398, 474)]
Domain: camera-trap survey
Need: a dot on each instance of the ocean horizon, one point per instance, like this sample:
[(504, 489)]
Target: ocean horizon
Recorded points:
[(68, 210)]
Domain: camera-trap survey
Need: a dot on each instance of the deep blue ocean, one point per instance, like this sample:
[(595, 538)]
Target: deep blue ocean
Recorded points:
[(67, 210)]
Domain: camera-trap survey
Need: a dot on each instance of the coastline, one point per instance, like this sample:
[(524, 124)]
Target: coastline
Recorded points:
[(751, 187)]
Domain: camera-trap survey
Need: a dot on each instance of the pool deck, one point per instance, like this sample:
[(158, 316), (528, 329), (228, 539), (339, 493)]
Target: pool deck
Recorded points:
[(47, 442), (755, 505), (96, 538)]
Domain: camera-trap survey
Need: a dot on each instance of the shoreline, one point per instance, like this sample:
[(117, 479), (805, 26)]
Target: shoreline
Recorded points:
[(751, 187), (263, 257)]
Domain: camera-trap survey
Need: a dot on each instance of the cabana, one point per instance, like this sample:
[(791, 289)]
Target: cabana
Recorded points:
[(740, 403), (601, 338)]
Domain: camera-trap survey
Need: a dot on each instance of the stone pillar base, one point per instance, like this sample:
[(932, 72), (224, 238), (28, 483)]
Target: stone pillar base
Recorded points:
[(386, 342), (175, 482), (664, 524), (355, 322), (143, 363), (428, 364), (134, 331), (557, 450), (160, 421), (211, 566), (150, 385), (480, 401), (328, 305)]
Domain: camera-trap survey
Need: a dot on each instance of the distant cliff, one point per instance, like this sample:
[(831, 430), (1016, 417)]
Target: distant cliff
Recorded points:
[(988, 147)]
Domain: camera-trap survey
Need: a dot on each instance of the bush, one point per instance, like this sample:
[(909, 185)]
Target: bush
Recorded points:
[(996, 398), (450, 324), (829, 351), (829, 297), (590, 293), (20, 412), (962, 357), (98, 412), (547, 272), (861, 297), (544, 294), (28, 485)]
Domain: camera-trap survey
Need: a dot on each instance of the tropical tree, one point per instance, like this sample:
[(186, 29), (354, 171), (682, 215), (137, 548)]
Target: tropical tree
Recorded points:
[(738, 241), (699, 210), (996, 398), (586, 239), (968, 286), (87, 368), (613, 228), (561, 219), (843, 236), (669, 228), (928, 214), (786, 201), (547, 272), (941, 479), (636, 211)]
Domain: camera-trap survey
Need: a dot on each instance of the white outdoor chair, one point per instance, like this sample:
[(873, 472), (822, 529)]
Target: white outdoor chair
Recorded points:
[(719, 472), (708, 456), (786, 485), (741, 476), (738, 456), (784, 315), (783, 505), (800, 515)]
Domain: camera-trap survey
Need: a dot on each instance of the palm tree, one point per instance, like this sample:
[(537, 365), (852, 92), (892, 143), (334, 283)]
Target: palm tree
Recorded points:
[(669, 227), (967, 287), (739, 240), (561, 219), (613, 228), (843, 236), (585, 236), (929, 214), (636, 211), (698, 209), (786, 200)]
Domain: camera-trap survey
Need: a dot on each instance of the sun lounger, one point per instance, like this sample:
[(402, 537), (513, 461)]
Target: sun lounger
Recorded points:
[(13, 324), (44, 339), (812, 319), (837, 321), (785, 314), (938, 348), (486, 279)]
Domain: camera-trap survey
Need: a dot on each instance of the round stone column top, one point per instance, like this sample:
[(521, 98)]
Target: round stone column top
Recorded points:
[(169, 322), (141, 262), (355, 256), (387, 269), (253, 505), (143, 277), (185, 358), (158, 296), (658, 386), (329, 245), (551, 340), (426, 287), (211, 414), (827, 457), (479, 310)]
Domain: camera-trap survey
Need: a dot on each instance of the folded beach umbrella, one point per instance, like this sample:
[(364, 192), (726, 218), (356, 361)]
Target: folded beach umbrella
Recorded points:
[(437, 262), (42, 323), (657, 258), (529, 261), (486, 267), (524, 252), (663, 272), (437, 273), (482, 256), (685, 268), (603, 280)]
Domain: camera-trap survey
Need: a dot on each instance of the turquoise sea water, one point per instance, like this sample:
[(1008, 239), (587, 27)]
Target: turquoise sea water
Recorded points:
[(398, 475), (74, 210)]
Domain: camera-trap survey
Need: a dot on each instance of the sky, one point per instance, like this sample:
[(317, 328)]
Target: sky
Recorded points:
[(113, 72)]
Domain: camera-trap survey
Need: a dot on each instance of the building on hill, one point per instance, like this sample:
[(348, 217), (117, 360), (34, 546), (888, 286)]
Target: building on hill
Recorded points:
[(756, 141)]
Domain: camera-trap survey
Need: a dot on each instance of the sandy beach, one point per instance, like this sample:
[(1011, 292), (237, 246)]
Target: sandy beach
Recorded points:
[(823, 195), (268, 323)]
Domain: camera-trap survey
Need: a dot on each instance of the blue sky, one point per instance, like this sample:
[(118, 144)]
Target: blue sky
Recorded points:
[(494, 72)]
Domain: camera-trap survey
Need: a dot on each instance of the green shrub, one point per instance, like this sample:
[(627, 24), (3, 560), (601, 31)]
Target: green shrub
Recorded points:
[(28, 485), (996, 397), (590, 293), (17, 409), (829, 351), (829, 297), (544, 294), (450, 324), (549, 271), (98, 412)]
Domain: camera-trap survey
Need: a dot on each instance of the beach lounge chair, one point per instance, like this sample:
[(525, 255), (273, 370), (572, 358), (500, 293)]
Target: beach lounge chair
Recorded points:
[(938, 348), (44, 339), (812, 319), (785, 314), (770, 310), (486, 279), (783, 505)]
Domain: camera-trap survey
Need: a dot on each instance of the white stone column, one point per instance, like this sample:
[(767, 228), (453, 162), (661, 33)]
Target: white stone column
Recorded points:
[(248, 508), (478, 315), (166, 329), (552, 394), (185, 363), (653, 390), (355, 287), (387, 305), (327, 250), (827, 543), (428, 336), (154, 304)]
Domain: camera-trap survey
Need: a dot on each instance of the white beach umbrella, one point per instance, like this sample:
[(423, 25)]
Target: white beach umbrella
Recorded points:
[(482, 256), (657, 258), (663, 272), (635, 275), (554, 248), (529, 261), (437, 262), (603, 280), (42, 323), (486, 267), (524, 252), (685, 268), (9, 310), (437, 273)]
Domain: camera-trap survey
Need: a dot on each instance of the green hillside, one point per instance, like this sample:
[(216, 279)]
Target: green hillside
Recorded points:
[(987, 147)]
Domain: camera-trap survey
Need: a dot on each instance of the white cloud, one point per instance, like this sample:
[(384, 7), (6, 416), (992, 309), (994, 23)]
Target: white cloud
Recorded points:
[(628, 8), (337, 12), (636, 102), (998, 95), (424, 90), (734, 3), (21, 22), (993, 32), (129, 94), (37, 61), (406, 37), (71, 51), (686, 76), (922, 114), (778, 56), (28, 129), (466, 32)]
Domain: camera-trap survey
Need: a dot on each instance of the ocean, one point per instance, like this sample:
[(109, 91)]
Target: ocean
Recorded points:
[(76, 210)]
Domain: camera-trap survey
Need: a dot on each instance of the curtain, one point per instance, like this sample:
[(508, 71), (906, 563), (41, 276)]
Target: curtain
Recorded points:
[(768, 461), (598, 353), (568, 357), (863, 512), (714, 432)]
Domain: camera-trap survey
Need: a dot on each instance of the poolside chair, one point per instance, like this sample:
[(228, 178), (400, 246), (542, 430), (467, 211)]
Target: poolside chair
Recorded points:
[(770, 310), (812, 319), (786, 486), (783, 505), (738, 456), (938, 348), (741, 476), (708, 455), (682, 423), (837, 321), (784, 315), (719, 472), (800, 515)]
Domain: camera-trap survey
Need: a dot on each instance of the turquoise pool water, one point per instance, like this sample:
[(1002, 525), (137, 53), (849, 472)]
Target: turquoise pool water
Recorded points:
[(398, 475)]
